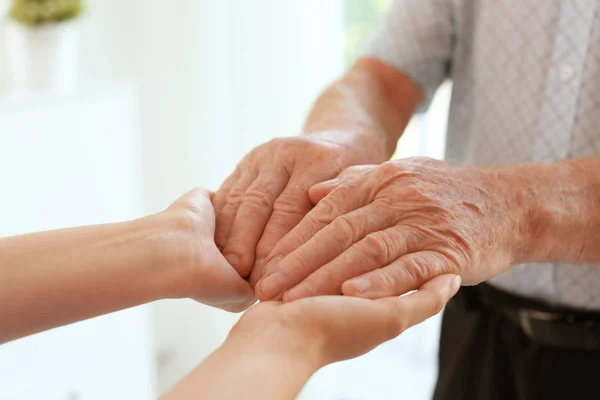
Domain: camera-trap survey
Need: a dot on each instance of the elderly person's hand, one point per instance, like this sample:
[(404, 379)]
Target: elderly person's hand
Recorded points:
[(385, 230), (267, 195)]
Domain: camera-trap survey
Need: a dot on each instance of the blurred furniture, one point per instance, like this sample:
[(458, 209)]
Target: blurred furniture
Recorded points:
[(68, 160)]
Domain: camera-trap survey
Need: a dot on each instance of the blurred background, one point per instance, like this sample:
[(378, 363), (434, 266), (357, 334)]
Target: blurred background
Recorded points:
[(116, 112)]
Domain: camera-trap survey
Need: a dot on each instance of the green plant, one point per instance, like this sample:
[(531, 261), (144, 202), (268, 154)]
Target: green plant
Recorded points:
[(36, 12)]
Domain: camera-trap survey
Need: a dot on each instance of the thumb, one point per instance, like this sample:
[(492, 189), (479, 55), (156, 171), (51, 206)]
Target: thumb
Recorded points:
[(321, 190), (317, 192), (197, 200), (221, 286)]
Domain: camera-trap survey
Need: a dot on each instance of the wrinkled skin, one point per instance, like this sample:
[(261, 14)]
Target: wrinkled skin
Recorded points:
[(267, 195), (397, 225)]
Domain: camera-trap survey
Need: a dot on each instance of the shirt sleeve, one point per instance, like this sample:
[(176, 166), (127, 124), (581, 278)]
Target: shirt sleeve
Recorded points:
[(416, 38)]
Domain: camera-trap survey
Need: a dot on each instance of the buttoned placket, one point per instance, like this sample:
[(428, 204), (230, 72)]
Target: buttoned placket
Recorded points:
[(562, 91)]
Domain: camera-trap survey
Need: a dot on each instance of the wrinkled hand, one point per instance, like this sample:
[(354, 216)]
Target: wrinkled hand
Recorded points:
[(395, 226), (267, 196), (335, 328), (204, 273)]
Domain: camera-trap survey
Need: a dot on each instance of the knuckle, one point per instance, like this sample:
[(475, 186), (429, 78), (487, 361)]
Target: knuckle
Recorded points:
[(387, 281), (422, 268), (292, 203), (243, 165), (329, 206), (257, 198), (442, 214), (388, 168), (330, 280), (413, 269), (414, 189), (282, 148), (376, 247), (300, 268), (345, 227), (263, 248), (234, 198)]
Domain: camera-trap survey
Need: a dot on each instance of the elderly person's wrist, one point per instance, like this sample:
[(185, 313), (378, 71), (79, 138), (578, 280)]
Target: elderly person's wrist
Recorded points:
[(362, 146), (531, 191)]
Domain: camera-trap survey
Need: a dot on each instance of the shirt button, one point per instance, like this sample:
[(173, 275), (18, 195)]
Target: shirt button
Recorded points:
[(566, 72)]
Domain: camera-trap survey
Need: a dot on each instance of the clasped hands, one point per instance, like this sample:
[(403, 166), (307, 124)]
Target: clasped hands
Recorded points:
[(301, 217)]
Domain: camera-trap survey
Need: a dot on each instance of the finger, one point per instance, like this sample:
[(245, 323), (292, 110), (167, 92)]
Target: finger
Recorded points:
[(375, 250), (288, 210), (219, 199), (252, 216), (403, 275), (317, 192), (220, 285), (426, 302), (322, 248), (344, 199), (227, 213), (257, 272)]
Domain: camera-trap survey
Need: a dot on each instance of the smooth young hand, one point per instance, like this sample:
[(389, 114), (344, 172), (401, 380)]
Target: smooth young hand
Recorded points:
[(54, 278), (276, 347), (206, 275)]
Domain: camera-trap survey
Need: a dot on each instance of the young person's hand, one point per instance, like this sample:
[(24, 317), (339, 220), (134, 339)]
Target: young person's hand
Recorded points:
[(335, 328), (54, 278), (276, 347), (204, 275)]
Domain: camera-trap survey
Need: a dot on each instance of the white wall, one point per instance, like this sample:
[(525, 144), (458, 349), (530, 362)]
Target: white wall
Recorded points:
[(215, 78), (224, 77), (62, 162)]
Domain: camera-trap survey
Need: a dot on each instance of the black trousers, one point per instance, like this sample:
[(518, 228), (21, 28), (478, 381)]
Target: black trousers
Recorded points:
[(483, 356)]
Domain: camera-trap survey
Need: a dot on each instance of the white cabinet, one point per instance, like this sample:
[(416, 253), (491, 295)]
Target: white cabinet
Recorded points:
[(64, 161)]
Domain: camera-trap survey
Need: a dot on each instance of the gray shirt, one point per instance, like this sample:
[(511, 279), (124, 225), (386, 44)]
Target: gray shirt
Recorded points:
[(526, 88)]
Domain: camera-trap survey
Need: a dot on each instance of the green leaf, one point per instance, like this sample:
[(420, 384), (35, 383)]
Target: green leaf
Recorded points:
[(36, 12)]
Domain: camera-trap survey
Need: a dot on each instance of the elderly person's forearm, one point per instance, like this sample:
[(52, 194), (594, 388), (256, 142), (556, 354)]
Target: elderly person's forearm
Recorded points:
[(561, 204), (384, 229), (371, 104)]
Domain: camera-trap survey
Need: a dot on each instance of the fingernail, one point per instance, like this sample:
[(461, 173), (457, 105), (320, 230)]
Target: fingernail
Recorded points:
[(455, 285), (272, 265), (259, 263), (333, 181), (271, 285), (232, 259), (360, 285)]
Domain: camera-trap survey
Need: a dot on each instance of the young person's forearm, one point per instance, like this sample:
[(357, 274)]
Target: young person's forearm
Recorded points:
[(58, 277), (561, 208), (250, 369), (368, 108)]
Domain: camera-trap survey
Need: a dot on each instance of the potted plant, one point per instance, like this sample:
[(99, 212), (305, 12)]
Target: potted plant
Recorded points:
[(42, 39)]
